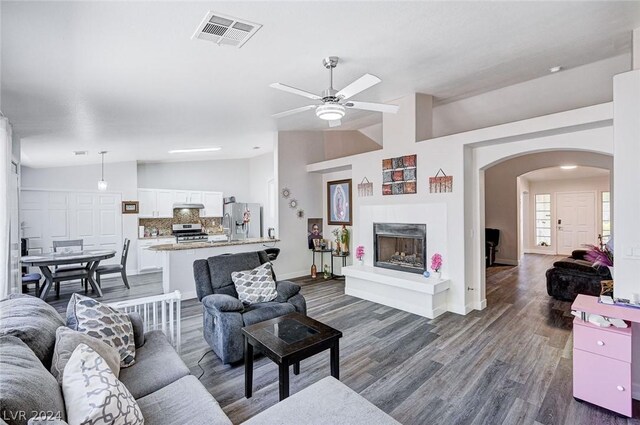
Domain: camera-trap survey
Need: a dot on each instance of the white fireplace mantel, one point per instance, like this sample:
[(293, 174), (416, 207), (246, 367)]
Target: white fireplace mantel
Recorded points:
[(405, 291)]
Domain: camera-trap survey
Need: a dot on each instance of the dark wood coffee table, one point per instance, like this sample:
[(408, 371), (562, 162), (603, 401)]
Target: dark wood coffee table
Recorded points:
[(287, 340)]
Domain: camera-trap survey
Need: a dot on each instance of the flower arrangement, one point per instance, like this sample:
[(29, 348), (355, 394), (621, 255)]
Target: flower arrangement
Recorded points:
[(600, 256), (436, 262), (360, 252)]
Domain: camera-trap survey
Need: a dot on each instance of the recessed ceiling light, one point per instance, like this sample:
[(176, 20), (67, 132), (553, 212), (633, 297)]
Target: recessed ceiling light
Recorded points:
[(80, 153), (555, 69), (195, 150), (568, 167)]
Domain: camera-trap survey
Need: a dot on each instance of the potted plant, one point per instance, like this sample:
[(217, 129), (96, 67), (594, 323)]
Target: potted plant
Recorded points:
[(436, 265), (601, 256), (360, 254)]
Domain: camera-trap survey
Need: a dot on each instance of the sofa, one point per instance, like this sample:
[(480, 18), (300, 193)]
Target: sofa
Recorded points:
[(159, 380), (574, 275), (224, 315)]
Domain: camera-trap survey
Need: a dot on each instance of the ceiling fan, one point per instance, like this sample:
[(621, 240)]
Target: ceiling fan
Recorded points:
[(333, 103)]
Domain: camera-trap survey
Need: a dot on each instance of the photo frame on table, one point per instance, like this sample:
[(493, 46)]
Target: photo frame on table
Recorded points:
[(130, 207), (339, 202)]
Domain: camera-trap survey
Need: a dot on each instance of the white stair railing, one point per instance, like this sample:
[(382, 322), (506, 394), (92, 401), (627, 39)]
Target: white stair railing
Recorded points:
[(158, 312)]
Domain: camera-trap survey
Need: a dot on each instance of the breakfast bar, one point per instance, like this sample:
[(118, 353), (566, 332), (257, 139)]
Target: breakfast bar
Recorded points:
[(177, 260)]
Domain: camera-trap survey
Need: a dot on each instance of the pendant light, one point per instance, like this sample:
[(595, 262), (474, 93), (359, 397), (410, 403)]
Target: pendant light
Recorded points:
[(102, 184)]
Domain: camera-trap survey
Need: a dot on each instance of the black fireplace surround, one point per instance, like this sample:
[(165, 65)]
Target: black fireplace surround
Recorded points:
[(400, 246)]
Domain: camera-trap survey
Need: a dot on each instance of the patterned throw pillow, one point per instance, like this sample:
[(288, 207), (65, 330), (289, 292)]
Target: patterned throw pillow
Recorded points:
[(100, 321), (255, 286), (93, 394)]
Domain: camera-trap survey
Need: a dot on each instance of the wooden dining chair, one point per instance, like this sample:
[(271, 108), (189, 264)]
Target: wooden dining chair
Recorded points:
[(70, 245), (116, 268)]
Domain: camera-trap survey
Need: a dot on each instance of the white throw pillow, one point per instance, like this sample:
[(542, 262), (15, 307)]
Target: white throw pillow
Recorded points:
[(93, 394), (255, 286)]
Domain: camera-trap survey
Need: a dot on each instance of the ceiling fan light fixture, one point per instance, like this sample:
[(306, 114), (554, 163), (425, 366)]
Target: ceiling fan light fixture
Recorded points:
[(330, 111)]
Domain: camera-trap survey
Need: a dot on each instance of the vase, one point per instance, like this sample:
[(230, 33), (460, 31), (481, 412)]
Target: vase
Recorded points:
[(361, 261), (437, 274), (610, 271)]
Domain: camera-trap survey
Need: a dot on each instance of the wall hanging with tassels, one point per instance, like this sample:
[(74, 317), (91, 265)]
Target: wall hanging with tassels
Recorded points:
[(440, 183), (365, 188)]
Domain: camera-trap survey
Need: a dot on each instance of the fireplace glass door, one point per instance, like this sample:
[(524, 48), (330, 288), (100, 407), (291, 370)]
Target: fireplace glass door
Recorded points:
[(400, 246)]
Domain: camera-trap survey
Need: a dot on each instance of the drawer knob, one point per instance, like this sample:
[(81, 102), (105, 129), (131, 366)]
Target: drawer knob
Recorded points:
[(620, 388), (600, 343)]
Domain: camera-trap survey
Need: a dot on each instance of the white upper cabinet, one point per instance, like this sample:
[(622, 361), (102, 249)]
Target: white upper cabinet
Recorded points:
[(148, 201), (212, 204), (181, 196), (165, 200)]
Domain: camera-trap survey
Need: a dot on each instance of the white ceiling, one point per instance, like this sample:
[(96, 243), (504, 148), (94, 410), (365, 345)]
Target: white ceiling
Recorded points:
[(126, 77), (557, 173)]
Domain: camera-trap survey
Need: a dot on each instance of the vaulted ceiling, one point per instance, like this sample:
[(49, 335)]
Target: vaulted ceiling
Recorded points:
[(127, 78)]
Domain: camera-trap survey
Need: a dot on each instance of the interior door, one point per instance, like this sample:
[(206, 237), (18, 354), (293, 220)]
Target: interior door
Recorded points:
[(575, 220)]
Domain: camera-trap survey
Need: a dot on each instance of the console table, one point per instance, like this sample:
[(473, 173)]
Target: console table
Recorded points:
[(602, 357)]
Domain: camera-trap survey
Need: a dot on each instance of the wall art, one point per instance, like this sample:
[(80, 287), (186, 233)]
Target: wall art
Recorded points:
[(440, 183), (339, 202), (399, 175), (365, 188)]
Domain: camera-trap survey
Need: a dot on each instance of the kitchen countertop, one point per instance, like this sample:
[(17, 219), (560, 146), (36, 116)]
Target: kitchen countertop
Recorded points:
[(172, 236), (200, 245)]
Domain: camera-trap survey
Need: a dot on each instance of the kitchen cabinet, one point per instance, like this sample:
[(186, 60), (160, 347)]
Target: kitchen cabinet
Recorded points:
[(147, 203), (148, 260), (212, 204), (181, 196), (164, 203), (195, 197)]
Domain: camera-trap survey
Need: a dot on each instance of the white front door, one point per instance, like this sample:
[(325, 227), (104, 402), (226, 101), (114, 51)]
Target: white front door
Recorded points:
[(575, 220)]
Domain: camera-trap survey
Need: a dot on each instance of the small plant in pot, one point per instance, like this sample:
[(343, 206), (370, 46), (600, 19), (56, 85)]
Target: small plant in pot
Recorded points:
[(601, 256), (436, 264)]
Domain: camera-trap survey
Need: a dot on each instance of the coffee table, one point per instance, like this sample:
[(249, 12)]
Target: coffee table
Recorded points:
[(287, 340)]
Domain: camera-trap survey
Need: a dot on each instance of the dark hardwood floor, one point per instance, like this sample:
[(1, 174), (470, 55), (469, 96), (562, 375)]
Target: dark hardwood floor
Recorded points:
[(508, 364)]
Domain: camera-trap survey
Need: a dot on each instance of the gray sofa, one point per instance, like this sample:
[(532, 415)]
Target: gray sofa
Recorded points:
[(224, 315), (159, 380)]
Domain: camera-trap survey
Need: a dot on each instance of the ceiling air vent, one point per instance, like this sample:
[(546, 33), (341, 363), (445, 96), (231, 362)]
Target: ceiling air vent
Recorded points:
[(225, 30), (80, 153)]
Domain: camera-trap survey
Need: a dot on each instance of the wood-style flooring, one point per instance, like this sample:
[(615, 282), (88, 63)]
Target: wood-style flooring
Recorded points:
[(508, 364)]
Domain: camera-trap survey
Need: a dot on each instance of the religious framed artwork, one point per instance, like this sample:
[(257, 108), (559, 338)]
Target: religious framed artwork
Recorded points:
[(399, 175), (339, 202)]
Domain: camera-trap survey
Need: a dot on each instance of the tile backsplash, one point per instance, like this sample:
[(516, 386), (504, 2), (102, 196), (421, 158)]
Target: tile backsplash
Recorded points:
[(211, 225)]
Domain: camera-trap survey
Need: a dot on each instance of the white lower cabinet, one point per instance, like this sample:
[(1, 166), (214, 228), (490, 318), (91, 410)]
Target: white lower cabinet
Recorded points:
[(148, 260)]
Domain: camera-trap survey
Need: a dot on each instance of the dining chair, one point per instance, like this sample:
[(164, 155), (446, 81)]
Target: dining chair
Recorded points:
[(116, 268), (32, 278), (70, 245)]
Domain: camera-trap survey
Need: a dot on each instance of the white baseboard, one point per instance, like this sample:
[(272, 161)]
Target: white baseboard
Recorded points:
[(539, 251), (507, 261), (291, 275), (458, 309)]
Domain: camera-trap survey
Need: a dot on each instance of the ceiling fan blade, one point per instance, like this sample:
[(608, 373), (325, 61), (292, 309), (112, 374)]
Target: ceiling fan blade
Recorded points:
[(361, 84), (294, 90), (370, 106), (293, 111), (335, 123)]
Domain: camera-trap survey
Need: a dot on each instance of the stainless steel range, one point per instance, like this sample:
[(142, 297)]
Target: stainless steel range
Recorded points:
[(186, 233)]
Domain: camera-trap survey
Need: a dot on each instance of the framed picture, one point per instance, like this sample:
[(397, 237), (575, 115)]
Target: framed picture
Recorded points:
[(339, 202), (399, 175), (130, 207), (314, 232)]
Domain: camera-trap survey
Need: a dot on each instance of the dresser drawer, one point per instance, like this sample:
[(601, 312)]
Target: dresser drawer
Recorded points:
[(603, 341), (602, 381)]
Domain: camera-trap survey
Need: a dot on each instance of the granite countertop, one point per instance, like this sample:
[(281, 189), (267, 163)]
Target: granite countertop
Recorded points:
[(199, 245), (172, 236)]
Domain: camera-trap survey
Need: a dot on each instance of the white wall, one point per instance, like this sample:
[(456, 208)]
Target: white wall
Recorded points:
[(569, 89), (553, 187), (295, 150), (501, 195), (261, 176), (121, 176), (230, 177)]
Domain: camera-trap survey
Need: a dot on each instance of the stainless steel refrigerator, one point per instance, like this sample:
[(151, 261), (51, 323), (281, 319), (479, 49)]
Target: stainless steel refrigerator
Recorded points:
[(243, 220)]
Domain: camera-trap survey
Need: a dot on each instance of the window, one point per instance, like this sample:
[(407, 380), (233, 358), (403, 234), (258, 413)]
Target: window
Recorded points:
[(606, 216), (543, 219)]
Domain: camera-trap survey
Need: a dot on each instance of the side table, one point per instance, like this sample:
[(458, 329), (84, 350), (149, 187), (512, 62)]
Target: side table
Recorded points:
[(335, 255)]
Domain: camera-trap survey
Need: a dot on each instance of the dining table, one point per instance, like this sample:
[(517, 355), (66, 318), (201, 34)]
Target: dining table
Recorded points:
[(89, 258)]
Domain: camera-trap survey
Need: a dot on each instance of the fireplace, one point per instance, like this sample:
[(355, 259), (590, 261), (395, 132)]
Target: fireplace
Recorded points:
[(400, 246)]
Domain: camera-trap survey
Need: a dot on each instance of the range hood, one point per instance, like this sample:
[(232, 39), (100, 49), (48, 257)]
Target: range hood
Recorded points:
[(186, 205)]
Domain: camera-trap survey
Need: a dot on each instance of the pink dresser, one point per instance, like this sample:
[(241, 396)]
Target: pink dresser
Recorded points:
[(602, 357)]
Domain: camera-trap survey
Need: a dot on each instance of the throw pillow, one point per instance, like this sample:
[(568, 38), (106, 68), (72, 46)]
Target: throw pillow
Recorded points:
[(26, 387), (33, 321), (100, 321), (255, 286), (93, 394), (67, 340)]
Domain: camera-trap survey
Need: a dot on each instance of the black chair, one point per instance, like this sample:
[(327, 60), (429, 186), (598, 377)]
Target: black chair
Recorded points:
[(116, 268), (32, 278), (68, 245), (272, 253), (492, 239)]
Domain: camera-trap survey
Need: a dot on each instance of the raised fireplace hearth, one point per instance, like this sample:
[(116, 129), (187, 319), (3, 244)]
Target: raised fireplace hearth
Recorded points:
[(400, 246)]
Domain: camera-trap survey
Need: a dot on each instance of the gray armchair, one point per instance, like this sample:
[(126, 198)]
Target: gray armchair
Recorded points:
[(224, 314)]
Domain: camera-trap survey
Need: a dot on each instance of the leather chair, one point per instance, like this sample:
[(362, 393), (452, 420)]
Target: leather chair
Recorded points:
[(574, 275), (224, 315)]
